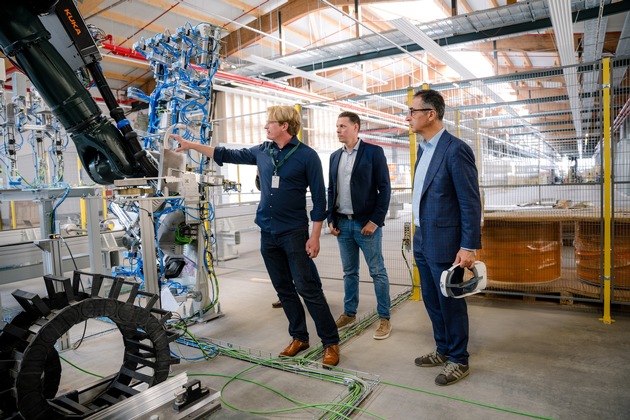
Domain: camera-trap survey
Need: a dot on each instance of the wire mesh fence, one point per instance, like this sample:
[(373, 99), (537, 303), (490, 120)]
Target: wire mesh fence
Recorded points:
[(536, 143), (620, 168), (539, 141)]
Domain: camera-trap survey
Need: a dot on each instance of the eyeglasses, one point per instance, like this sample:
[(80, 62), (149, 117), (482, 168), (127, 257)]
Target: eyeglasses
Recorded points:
[(412, 110)]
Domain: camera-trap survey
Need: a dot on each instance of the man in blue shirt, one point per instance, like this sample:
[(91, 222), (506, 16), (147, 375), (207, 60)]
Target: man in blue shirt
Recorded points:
[(287, 168)]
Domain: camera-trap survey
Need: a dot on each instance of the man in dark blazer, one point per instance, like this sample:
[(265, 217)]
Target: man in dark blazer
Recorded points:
[(358, 200), (447, 218)]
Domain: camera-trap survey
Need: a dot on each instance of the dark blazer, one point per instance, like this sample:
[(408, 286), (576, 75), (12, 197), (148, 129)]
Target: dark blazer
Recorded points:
[(369, 185), (450, 206)]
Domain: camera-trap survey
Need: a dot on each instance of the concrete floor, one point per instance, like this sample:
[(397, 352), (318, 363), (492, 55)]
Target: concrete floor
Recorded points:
[(539, 360)]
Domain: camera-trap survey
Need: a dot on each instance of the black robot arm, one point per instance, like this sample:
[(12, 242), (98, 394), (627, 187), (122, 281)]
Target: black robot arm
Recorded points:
[(108, 152)]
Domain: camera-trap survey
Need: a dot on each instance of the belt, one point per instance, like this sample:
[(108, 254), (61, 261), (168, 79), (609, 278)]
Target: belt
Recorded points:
[(346, 216)]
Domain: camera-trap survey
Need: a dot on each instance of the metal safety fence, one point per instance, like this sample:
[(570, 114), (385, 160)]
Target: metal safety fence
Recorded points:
[(554, 172)]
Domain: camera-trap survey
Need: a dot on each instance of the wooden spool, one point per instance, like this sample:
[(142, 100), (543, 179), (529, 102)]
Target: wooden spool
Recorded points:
[(523, 251), (588, 253)]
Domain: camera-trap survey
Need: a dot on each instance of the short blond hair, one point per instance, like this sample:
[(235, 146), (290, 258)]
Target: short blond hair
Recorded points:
[(286, 114)]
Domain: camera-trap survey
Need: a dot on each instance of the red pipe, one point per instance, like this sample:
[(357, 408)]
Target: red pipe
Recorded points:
[(123, 51), (125, 102), (130, 53)]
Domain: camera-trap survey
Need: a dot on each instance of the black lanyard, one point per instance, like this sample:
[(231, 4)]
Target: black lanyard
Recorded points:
[(273, 162)]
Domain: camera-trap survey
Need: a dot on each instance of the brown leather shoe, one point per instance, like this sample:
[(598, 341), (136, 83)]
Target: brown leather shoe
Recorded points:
[(294, 348), (331, 355), (276, 304)]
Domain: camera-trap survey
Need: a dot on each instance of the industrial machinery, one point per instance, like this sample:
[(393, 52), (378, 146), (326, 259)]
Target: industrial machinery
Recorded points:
[(107, 151), (159, 198), (51, 44), (30, 383), (182, 244), (31, 367)]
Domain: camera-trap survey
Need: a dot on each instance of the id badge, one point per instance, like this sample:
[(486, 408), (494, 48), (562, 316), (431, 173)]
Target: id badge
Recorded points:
[(275, 181)]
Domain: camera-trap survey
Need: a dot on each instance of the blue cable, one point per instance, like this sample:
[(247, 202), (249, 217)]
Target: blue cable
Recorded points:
[(187, 358), (52, 214)]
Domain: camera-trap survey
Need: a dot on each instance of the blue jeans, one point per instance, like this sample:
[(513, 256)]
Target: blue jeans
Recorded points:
[(350, 241), (449, 316), (292, 274)]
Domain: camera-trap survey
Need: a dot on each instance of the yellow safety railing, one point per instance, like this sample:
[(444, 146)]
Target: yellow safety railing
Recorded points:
[(607, 198)]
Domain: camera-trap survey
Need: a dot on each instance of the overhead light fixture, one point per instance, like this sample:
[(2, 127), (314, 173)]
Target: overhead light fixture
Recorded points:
[(560, 12), (429, 45), (301, 73)]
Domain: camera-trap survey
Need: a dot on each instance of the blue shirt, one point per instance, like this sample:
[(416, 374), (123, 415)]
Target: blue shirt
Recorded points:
[(428, 147), (283, 209)]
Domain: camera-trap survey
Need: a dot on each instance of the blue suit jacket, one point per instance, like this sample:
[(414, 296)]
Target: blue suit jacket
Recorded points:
[(369, 185), (450, 206)]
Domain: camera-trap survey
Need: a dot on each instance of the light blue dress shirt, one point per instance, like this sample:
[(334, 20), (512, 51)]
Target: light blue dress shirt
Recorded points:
[(344, 174), (428, 148)]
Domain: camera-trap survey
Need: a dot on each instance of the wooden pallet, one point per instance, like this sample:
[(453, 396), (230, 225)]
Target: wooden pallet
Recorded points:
[(563, 288)]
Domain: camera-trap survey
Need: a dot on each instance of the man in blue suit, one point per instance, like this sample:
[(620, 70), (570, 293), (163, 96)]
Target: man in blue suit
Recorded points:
[(447, 218), (358, 199)]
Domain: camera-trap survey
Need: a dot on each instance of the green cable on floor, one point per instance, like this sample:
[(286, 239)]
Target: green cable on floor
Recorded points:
[(301, 405), (358, 388), (79, 368), (319, 406), (366, 322), (451, 397), (359, 326), (304, 405)]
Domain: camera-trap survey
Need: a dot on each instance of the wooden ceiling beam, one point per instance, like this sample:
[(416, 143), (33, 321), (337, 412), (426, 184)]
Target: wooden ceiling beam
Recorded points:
[(126, 61), (118, 76), (185, 11), (525, 93), (247, 9), (89, 7), (290, 11), (530, 43), (133, 23), (373, 21), (313, 35)]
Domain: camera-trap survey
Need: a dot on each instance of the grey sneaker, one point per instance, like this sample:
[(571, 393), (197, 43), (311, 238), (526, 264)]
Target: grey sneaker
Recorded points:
[(383, 330), (431, 359), (452, 372), (345, 320)]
